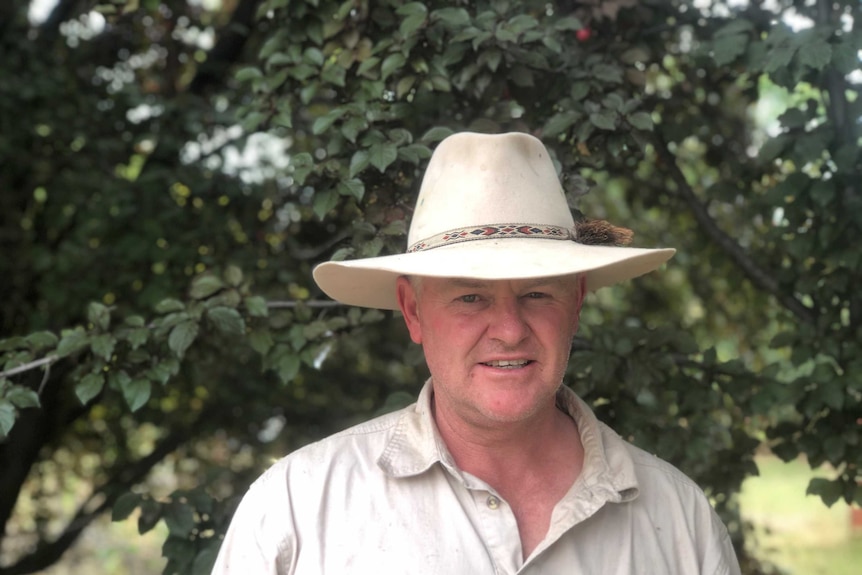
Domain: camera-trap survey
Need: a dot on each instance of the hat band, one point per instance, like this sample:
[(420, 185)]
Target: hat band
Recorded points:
[(492, 232)]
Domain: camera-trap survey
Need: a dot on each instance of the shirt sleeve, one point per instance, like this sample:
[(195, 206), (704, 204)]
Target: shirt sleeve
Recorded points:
[(260, 538)]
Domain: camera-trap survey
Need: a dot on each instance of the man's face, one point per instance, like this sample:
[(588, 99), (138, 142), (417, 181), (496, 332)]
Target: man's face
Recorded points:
[(497, 350)]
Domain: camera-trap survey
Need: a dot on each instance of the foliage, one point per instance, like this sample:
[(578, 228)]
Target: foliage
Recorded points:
[(175, 345)]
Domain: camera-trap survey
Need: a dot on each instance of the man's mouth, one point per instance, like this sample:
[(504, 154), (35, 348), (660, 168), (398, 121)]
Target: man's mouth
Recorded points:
[(507, 363)]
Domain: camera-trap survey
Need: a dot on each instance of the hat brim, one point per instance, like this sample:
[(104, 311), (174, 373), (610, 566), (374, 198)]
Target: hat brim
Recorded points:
[(371, 282)]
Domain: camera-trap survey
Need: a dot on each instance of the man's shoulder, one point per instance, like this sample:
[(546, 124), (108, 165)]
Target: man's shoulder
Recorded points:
[(651, 470), (359, 444)]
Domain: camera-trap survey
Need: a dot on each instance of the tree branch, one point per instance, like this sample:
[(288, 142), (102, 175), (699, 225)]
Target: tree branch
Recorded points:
[(47, 360), (47, 554), (758, 276)]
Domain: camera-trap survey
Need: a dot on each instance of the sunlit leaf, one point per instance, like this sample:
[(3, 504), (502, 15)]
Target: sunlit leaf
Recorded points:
[(204, 286)]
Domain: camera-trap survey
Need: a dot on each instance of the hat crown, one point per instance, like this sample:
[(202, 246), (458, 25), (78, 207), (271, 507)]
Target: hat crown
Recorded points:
[(476, 180)]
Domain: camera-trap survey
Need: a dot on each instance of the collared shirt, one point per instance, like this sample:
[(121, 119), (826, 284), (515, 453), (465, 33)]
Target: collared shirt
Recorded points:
[(385, 497)]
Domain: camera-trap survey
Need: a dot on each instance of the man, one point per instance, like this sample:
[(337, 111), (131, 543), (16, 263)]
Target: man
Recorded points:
[(498, 467)]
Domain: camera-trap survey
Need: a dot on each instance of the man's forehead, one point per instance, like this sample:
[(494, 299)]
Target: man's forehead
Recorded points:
[(523, 282)]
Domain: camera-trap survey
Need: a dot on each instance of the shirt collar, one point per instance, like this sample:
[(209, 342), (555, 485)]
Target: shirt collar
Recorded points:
[(608, 471)]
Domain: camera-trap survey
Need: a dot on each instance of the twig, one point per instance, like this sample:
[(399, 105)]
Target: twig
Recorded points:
[(48, 359), (45, 377)]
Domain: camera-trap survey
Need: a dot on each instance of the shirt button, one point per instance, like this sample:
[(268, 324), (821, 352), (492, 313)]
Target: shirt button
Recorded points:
[(493, 502)]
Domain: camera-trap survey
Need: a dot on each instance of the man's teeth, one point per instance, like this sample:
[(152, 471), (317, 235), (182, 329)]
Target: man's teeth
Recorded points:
[(508, 363)]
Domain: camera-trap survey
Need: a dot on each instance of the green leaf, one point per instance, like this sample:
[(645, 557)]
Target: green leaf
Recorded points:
[(436, 134), (99, 315), (392, 63), (784, 339), (248, 74), (608, 73), (302, 164), (169, 305), (605, 119), (323, 123), (521, 23), (559, 123), (324, 201), (12, 343), (641, 121), (829, 490), (773, 148), (72, 341), (568, 23), (358, 162), (125, 505), (180, 519), (151, 512), (8, 414), (227, 320), (162, 371), (256, 306), (816, 54), (233, 276), (452, 18), (287, 367), (136, 392), (103, 346), (182, 336), (381, 155), (415, 14), (22, 397), (395, 228), (367, 65), (205, 285), (137, 337), (41, 340), (779, 57), (261, 341), (134, 321), (351, 188), (414, 153), (89, 387), (204, 561)]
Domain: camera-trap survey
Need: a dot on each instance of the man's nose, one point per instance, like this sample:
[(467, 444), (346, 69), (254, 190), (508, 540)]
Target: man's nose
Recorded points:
[(507, 322)]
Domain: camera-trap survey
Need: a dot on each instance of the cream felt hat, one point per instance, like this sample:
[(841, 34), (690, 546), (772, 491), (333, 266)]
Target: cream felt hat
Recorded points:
[(490, 207)]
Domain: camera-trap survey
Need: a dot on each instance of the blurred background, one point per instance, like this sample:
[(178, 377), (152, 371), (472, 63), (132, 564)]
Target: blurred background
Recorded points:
[(171, 171)]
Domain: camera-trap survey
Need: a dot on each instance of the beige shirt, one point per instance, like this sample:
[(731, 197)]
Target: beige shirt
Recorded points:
[(385, 497)]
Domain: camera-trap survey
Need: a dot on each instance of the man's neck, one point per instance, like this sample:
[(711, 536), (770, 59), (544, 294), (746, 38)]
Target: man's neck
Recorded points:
[(547, 443), (531, 467)]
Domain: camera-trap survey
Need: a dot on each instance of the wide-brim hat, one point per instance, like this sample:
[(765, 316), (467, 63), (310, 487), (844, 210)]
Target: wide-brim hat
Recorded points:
[(490, 207)]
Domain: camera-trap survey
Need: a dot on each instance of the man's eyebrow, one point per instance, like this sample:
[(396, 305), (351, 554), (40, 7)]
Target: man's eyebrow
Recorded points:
[(466, 283)]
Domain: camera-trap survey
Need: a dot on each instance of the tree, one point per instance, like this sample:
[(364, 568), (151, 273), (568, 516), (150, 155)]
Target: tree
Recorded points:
[(189, 350)]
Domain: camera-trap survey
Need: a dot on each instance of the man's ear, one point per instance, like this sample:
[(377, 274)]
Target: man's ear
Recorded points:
[(582, 291), (408, 303)]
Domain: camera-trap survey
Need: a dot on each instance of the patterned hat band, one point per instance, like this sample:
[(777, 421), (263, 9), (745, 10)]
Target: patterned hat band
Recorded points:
[(492, 232)]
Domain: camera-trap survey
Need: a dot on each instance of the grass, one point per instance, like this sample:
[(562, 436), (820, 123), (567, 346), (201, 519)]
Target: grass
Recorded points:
[(796, 532)]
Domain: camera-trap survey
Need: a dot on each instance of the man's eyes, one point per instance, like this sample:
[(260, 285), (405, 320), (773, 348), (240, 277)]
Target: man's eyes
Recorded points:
[(536, 295), (473, 298)]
